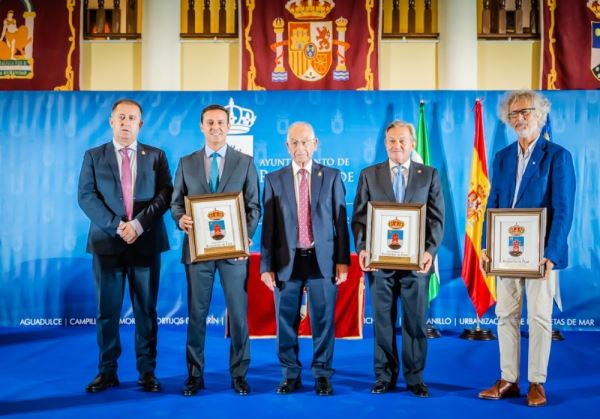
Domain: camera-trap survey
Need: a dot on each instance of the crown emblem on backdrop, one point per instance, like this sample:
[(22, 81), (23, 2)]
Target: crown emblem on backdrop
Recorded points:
[(309, 9), (395, 223), (216, 214), (516, 230), (594, 6), (240, 119)]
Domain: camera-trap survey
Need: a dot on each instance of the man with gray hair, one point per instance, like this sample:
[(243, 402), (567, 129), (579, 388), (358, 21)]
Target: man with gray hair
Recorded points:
[(398, 179), (530, 173)]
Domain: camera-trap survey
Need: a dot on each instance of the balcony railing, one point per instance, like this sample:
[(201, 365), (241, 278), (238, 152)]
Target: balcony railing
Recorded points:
[(410, 19), (209, 19), (112, 19), (505, 19)]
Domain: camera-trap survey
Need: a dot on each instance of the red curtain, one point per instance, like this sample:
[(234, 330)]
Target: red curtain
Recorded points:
[(349, 309)]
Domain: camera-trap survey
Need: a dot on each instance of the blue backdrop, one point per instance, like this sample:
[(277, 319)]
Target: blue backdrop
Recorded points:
[(46, 275)]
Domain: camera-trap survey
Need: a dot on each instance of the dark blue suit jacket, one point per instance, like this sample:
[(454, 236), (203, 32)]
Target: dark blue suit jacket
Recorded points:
[(101, 199), (280, 221), (548, 182), (423, 187)]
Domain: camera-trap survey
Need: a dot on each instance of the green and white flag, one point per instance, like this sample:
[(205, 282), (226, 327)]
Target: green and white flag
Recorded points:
[(422, 154)]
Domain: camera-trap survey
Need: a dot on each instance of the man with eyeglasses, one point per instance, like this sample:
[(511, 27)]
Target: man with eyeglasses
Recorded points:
[(124, 189), (216, 168), (304, 244), (398, 179), (530, 173)]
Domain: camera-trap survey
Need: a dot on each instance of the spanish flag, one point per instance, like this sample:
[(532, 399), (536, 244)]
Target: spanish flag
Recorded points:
[(482, 289)]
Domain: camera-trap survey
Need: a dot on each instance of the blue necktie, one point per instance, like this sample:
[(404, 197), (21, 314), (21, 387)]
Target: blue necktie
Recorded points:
[(398, 183), (214, 172)]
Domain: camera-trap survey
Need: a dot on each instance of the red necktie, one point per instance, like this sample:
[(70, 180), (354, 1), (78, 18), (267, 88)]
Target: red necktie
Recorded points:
[(126, 183), (305, 233)]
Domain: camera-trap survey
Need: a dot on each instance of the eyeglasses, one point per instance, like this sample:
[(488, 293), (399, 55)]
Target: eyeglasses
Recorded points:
[(293, 143), (525, 112)]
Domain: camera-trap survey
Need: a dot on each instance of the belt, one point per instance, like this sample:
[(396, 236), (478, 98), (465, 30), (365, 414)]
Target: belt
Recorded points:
[(305, 252)]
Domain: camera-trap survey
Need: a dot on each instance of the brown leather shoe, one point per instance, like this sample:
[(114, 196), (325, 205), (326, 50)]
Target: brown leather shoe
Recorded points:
[(536, 396), (500, 390)]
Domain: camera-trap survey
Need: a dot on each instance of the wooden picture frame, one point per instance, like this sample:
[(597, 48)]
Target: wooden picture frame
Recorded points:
[(219, 230), (395, 235), (515, 242)]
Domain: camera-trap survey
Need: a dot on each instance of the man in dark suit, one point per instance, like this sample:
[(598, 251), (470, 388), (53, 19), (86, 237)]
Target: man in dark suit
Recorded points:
[(399, 179), (216, 168), (530, 173), (125, 188), (304, 243)]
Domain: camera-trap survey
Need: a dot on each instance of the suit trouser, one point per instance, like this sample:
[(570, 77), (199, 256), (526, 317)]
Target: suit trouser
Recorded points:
[(110, 274), (200, 278), (413, 292), (509, 307), (322, 294)]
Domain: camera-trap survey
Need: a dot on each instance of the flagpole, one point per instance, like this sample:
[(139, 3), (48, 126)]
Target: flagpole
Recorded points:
[(478, 333), (481, 287), (423, 155), (546, 134)]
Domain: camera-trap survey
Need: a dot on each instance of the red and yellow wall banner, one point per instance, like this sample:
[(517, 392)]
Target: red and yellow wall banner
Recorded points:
[(39, 45), (310, 44)]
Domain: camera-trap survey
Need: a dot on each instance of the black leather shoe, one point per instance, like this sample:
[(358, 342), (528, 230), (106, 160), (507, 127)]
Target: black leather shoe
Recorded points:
[(419, 390), (381, 387), (323, 387), (240, 386), (102, 381), (192, 385), (288, 386), (149, 382)]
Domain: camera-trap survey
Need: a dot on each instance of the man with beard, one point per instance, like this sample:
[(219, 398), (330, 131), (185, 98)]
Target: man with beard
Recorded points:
[(530, 173)]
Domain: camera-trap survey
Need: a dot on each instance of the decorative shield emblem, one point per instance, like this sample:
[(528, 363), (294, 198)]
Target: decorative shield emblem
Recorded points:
[(595, 53), (395, 239), (516, 240), (516, 245), (217, 229), (309, 49)]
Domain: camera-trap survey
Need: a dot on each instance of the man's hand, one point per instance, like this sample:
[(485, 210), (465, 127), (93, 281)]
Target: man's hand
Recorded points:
[(549, 265), (127, 232), (245, 257), (186, 223), (269, 279), (484, 259), (341, 273), (426, 263), (362, 261)]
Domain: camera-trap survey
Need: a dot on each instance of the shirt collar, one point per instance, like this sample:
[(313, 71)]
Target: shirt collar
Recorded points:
[(133, 146), (406, 165), (296, 167), (529, 149), (221, 152)]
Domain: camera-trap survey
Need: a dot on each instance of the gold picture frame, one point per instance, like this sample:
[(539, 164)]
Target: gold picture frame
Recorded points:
[(395, 235), (515, 242), (219, 230)]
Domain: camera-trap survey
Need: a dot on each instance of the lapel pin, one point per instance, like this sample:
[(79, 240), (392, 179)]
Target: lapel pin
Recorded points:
[(533, 163), (419, 171), (319, 174), (143, 152)]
